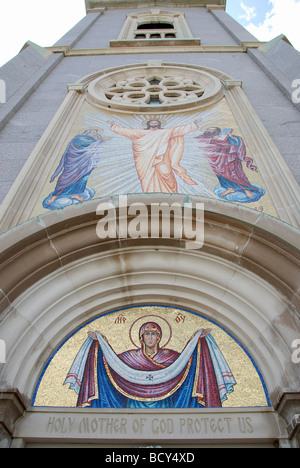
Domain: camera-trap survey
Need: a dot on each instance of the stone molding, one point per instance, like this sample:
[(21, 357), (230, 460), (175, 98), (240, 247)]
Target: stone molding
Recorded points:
[(136, 89), (134, 20), (96, 10), (215, 7), (131, 47), (23, 242), (167, 44), (118, 4)]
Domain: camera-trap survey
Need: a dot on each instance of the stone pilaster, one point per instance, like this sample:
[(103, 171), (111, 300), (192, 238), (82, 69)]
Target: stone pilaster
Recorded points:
[(12, 407), (289, 409)]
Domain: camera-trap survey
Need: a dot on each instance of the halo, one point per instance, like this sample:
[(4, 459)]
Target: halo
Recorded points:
[(99, 129), (163, 323), (206, 127), (154, 117)]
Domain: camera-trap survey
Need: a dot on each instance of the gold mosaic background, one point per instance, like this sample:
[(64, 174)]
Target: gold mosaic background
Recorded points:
[(116, 326)]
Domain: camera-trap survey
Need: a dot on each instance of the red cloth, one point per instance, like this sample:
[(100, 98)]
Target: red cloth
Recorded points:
[(226, 158), (205, 386)]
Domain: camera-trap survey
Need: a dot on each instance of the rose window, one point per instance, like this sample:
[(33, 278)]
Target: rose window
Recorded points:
[(166, 87), (155, 90)]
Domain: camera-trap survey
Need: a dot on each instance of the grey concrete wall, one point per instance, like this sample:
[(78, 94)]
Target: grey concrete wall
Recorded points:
[(26, 126), (285, 57)]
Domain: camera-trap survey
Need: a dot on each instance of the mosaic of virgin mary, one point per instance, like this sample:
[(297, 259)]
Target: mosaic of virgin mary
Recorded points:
[(151, 376)]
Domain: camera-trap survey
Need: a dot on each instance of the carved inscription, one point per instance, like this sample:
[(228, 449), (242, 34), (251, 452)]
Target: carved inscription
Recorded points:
[(150, 426)]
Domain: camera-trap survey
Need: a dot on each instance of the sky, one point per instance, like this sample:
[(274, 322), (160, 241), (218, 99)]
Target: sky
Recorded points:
[(46, 21), (267, 19), (41, 21)]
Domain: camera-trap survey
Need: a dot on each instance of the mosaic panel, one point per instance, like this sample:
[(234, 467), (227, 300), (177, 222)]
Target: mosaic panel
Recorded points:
[(200, 153), (151, 357)]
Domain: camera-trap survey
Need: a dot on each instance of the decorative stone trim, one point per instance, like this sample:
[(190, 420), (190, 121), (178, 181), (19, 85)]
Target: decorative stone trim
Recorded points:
[(150, 42), (229, 84), (176, 88), (96, 10), (135, 20), (215, 7), (117, 4), (131, 47)]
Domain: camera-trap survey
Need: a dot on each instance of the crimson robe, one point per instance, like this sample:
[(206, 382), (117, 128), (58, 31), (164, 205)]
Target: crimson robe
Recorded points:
[(225, 158)]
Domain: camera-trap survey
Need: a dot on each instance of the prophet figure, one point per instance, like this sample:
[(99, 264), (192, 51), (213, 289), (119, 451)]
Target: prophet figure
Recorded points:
[(151, 376), (81, 156), (157, 154), (226, 153)]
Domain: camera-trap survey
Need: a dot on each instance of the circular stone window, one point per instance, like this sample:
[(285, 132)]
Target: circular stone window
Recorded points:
[(163, 88)]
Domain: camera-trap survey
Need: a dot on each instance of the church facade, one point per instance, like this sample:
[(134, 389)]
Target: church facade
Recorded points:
[(149, 226)]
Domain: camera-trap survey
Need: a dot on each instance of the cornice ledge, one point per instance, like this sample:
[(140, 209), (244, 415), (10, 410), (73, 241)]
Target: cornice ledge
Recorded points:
[(92, 5), (215, 7)]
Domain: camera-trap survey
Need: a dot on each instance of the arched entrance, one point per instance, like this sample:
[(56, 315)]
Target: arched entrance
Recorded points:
[(57, 276)]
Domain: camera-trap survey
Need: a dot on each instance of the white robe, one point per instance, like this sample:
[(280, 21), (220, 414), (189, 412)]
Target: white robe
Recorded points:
[(157, 154)]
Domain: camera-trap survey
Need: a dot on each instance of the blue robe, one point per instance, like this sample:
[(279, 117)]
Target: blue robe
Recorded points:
[(76, 165)]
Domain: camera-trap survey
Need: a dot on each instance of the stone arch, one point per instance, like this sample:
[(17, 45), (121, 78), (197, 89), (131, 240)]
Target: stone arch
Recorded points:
[(57, 275)]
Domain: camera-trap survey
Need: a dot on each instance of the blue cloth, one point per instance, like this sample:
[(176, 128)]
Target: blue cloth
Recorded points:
[(77, 188), (225, 183), (110, 397)]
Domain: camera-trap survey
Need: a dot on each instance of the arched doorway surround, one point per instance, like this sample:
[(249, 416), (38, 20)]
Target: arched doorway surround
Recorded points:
[(57, 275)]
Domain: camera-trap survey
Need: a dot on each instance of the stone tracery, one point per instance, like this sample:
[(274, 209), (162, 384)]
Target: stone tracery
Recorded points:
[(156, 89), (138, 87)]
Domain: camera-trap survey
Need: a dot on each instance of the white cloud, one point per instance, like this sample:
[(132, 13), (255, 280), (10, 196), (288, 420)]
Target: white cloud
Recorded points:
[(283, 18), (250, 12)]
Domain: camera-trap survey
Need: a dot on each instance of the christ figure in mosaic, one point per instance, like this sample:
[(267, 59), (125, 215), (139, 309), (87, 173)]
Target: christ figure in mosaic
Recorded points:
[(157, 154)]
